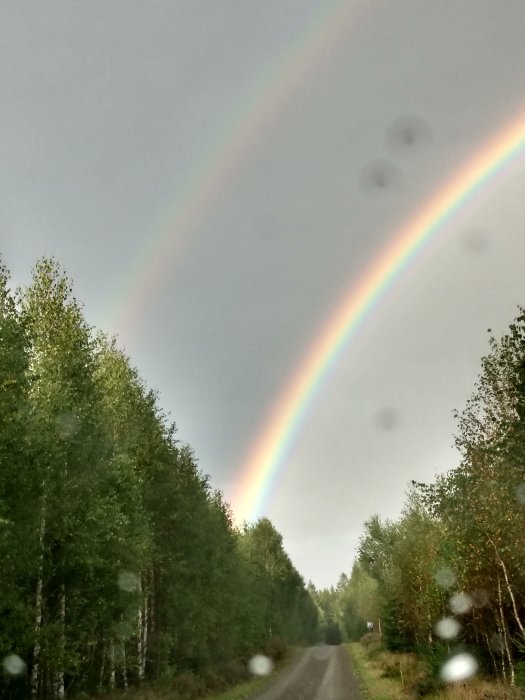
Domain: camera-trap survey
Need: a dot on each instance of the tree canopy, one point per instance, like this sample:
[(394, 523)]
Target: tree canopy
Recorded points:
[(120, 563)]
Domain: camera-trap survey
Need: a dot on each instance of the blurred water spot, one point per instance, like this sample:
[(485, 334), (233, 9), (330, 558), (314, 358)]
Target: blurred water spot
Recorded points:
[(459, 668), (124, 630), (14, 665), (407, 134), (67, 425), (445, 577), (520, 492), (475, 241), (447, 628), (260, 665), (379, 177), (119, 654), (387, 418), (496, 643), (480, 598), (461, 603), (128, 581)]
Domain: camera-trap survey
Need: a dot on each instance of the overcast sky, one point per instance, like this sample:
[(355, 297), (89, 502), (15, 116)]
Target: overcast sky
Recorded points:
[(206, 173)]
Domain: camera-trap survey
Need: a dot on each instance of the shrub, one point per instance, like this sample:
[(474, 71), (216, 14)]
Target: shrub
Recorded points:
[(275, 648), (188, 686)]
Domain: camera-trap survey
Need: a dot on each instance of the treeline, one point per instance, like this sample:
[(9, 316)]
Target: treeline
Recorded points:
[(450, 572), (119, 562)]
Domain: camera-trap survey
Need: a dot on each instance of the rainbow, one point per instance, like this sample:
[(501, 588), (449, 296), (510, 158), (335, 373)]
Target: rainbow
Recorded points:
[(221, 160), (273, 445)]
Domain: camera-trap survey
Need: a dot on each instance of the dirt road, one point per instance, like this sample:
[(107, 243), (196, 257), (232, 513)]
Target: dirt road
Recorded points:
[(318, 673)]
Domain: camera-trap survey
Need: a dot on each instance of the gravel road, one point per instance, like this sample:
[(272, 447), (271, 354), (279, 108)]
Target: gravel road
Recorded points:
[(317, 673)]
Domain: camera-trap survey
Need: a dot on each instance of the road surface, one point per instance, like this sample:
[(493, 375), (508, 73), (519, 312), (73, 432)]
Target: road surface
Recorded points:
[(317, 673)]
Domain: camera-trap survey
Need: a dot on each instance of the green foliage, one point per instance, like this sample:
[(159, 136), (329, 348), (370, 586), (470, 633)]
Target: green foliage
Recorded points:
[(463, 534), (120, 563)]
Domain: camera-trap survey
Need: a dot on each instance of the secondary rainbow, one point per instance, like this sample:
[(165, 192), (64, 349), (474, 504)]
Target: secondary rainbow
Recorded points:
[(222, 157), (267, 456)]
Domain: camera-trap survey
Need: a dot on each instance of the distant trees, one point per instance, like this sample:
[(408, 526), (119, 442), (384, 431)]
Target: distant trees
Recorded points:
[(120, 563), (458, 551)]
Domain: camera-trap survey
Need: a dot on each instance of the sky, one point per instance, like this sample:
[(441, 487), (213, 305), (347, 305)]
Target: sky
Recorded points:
[(217, 176)]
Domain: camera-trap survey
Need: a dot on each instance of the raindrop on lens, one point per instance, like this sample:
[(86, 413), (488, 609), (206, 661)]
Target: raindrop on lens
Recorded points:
[(14, 665), (520, 492), (475, 241), (379, 176), (447, 628), (460, 603), (67, 425), (128, 581), (459, 668), (407, 134), (496, 643), (387, 418), (445, 577), (125, 630), (480, 598), (260, 665)]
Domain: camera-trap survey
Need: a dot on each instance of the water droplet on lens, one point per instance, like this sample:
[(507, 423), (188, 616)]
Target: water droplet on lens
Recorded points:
[(460, 603), (14, 665), (459, 668), (447, 628), (520, 492), (480, 598), (387, 418), (496, 643), (67, 425), (378, 177), (445, 577), (407, 134), (124, 630), (475, 241), (128, 581), (260, 665)]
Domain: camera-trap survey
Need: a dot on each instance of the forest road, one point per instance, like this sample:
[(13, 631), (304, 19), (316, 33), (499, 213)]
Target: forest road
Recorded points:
[(318, 673)]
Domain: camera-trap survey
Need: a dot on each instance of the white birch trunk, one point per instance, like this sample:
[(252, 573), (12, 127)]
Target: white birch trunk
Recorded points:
[(505, 635), (143, 632), (35, 671), (102, 669), (145, 626), (62, 617), (124, 664), (112, 665), (140, 637)]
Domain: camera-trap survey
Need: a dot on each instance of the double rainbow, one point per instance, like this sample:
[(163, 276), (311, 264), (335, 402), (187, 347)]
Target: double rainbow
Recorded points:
[(271, 448)]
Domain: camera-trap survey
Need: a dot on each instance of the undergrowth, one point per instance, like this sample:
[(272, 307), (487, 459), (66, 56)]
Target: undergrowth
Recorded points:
[(385, 675)]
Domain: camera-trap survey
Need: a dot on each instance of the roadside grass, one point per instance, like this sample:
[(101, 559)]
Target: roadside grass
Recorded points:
[(190, 687), (478, 689), (383, 675), (244, 690), (240, 691), (373, 682)]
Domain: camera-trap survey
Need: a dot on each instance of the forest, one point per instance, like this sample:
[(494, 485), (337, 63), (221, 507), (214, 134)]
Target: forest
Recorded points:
[(121, 564), (448, 576)]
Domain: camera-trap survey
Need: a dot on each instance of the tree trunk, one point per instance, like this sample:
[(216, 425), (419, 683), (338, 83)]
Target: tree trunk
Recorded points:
[(140, 632), (102, 668), (62, 619), (124, 664), (112, 665), (35, 670), (505, 634), (489, 647)]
